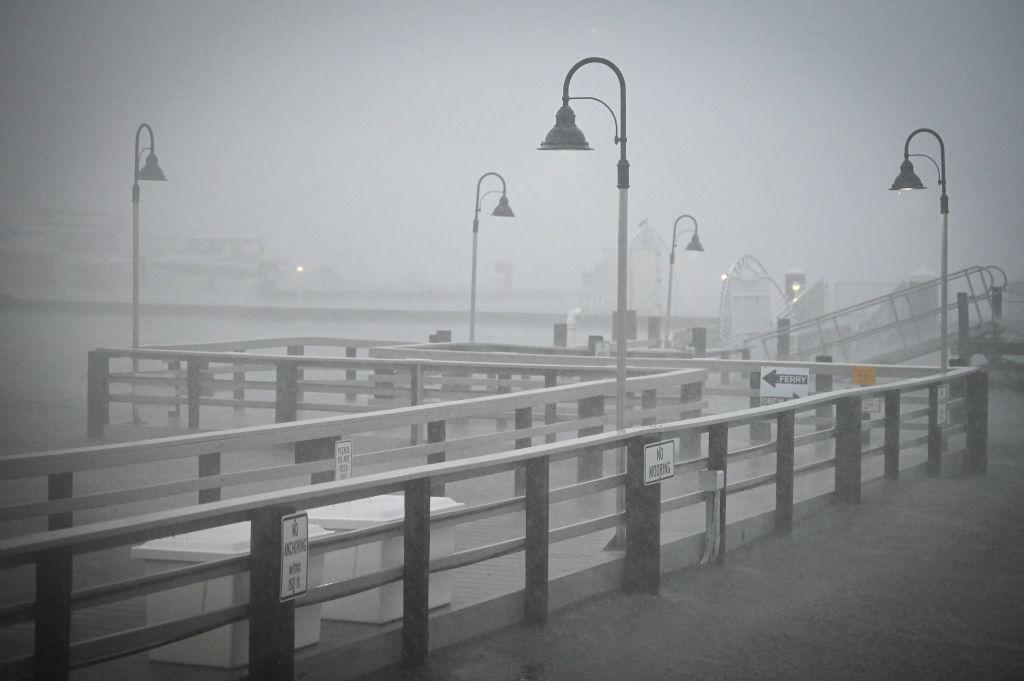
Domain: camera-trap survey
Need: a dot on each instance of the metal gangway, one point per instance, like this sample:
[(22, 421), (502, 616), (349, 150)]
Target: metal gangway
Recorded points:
[(892, 328)]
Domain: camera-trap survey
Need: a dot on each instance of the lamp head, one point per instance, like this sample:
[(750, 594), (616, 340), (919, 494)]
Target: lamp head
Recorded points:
[(151, 170), (907, 179), (503, 210), (565, 134), (694, 244)]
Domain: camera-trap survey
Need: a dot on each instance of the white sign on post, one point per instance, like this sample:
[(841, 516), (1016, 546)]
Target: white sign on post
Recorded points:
[(659, 461), (294, 555), (779, 384), (943, 396), (343, 459)]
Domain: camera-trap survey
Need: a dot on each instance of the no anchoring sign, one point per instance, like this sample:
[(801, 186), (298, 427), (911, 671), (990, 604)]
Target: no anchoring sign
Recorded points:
[(294, 555), (779, 384)]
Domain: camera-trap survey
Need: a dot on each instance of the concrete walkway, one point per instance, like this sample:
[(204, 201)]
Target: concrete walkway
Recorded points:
[(923, 580)]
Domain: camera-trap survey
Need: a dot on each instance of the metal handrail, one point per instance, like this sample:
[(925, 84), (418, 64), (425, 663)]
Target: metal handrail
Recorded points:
[(991, 276)]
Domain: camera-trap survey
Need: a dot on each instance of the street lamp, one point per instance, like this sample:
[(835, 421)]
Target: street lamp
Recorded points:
[(150, 171), (694, 245), (566, 136), (502, 210), (908, 179)]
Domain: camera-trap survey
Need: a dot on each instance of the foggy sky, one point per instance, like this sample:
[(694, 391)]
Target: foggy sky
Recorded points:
[(354, 132)]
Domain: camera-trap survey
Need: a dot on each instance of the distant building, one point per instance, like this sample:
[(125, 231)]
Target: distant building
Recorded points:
[(646, 276)]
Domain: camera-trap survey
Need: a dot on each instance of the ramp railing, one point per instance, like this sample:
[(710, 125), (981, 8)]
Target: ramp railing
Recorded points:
[(887, 329)]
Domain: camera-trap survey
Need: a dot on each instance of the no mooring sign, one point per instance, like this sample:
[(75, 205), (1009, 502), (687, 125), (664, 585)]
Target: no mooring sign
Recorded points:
[(659, 461)]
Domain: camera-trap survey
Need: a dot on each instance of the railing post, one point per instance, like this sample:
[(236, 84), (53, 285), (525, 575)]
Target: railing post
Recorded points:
[(297, 351), (561, 335), (350, 374), (388, 384), (934, 466), (524, 421), (286, 406), (193, 391), (784, 450), (271, 621), (782, 334), (174, 414), (503, 389), (977, 423), (822, 384), (60, 486), (648, 401), (322, 449), (848, 450), (590, 463), (436, 432), (209, 465), (892, 434), (997, 302), (760, 431), (53, 615), (957, 414), (238, 377), (963, 327), (415, 397), (699, 335), (535, 596), (718, 452), (98, 393), (550, 409), (416, 575), (689, 441), (641, 570)]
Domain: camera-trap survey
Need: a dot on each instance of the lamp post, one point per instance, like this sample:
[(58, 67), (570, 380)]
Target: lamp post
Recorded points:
[(150, 171), (566, 136), (694, 245), (908, 179), (502, 210)]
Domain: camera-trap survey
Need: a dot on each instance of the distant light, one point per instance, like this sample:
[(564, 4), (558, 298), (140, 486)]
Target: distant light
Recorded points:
[(724, 276), (300, 268), (795, 286)]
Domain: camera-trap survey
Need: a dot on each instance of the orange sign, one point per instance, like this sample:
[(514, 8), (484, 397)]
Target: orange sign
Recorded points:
[(862, 375)]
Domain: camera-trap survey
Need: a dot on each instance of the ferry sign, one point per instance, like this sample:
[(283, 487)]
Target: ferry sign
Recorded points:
[(779, 384), (294, 555), (659, 461)]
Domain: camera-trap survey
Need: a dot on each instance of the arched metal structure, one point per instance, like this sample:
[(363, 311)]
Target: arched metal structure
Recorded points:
[(747, 269)]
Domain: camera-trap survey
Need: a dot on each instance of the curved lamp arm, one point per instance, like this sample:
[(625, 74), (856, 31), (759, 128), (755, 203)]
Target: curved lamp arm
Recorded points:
[(476, 213), (491, 191), (934, 163), (138, 152), (623, 165), (943, 199), (605, 105), (672, 254)]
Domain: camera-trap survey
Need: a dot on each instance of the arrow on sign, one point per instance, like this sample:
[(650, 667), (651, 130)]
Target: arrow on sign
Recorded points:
[(773, 378)]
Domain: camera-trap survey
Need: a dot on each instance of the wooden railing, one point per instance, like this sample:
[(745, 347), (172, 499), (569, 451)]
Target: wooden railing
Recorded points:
[(201, 380), (271, 622), (387, 438)]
